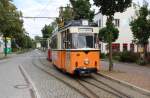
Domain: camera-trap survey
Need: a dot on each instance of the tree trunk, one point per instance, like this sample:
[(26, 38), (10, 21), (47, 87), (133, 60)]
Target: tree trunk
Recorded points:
[(110, 53), (110, 24), (145, 52), (5, 49)]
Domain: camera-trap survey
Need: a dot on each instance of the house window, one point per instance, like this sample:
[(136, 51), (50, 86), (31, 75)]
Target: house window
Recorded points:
[(117, 22), (99, 23), (116, 47), (125, 47), (132, 47), (107, 47)]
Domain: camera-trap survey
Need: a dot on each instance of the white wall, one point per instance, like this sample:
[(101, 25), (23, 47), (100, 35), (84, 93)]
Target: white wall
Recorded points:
[(125, 33), (38, 45)]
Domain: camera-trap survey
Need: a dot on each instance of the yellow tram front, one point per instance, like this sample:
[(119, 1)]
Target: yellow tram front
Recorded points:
[(76, 49)]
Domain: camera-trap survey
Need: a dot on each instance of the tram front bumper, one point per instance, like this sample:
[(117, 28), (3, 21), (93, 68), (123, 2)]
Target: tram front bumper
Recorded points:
[(85, 70)]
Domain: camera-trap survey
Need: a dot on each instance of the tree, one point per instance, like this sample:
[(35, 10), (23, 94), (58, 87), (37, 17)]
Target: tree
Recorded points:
[(10, 23), (66, 13), (46, 32), (104, 32), (140, 27), (109, 8), (82, 10), (37, 38)]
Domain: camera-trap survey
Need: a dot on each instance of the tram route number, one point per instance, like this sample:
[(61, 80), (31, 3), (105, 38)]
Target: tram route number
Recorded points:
[(85, 30)]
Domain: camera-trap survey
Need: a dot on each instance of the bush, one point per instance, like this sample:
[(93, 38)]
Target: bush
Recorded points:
[(102, 55), (116, 55), (128, 57), (142, 62), (145, 61)]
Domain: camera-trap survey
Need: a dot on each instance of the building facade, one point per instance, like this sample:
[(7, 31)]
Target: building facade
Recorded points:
[(121, 21)]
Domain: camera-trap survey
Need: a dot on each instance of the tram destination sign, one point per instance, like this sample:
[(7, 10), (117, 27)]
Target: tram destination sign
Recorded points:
[(85, 30)]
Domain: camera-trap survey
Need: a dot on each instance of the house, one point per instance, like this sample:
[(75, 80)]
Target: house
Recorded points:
[(38, 45), (121, 21)]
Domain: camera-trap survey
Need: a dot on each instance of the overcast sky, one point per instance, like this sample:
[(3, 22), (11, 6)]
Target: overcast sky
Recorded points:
[(49, 8)]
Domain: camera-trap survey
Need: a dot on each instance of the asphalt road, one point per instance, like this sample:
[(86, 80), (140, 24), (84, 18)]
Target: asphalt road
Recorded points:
[(12, 82)]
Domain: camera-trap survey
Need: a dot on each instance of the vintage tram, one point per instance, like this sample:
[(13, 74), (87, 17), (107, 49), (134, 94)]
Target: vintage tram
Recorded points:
[(74, 48)]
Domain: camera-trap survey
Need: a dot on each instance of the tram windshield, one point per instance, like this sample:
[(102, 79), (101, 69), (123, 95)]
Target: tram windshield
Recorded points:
[(83, 40)]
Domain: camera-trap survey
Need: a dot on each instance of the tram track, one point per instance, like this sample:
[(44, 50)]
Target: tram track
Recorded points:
[(79, 81), (114, 90), (82, 81), (90, 91), (124, 84), (104, 89), (63, 81), (98, 75)]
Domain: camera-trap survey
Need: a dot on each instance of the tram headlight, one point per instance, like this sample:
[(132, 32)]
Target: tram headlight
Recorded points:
[(86, 61)]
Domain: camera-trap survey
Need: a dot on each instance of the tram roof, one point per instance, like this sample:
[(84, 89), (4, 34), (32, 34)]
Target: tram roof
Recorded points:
[(80, 23), (76, 23)]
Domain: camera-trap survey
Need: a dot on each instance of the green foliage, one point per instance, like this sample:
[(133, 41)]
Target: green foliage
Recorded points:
[(129, 57), (140, 26), (109, 7), (141, 62), (104, 32), (116, 55), (46, 32), (37, 38), (82, 10), (11, 25), (102, 56), (67, 13), (10, 22)]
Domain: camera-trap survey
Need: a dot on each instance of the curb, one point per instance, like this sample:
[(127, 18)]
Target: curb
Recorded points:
[(141, 90), (37, 95)]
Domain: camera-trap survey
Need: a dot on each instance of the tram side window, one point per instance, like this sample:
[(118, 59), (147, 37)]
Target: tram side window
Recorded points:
[(54, 43), (67, 40)]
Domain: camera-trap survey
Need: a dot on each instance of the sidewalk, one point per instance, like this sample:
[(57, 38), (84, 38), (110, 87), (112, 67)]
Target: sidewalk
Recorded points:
[(134, 74), (2, 56), (12, 82)]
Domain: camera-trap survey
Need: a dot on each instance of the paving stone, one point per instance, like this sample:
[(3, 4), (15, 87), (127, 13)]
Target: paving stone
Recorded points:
[(49, 87), (132, 73)]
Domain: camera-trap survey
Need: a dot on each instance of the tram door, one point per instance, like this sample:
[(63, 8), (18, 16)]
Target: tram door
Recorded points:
[(67, 47), (63, 51)]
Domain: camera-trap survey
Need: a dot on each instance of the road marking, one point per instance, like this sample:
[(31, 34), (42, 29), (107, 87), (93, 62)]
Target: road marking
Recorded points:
[(32, 90)]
